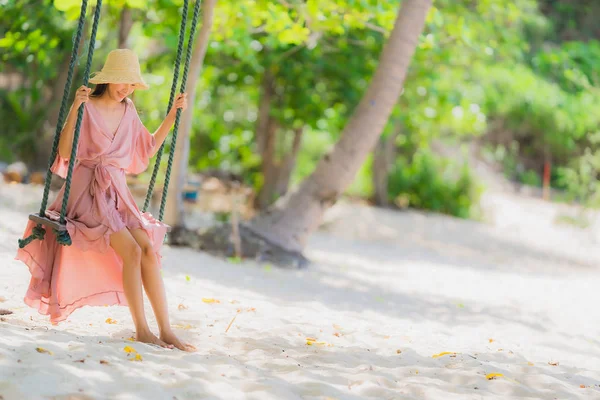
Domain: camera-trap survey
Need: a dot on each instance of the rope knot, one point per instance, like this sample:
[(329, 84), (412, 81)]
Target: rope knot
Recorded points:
[(63, 237), (38, 232)]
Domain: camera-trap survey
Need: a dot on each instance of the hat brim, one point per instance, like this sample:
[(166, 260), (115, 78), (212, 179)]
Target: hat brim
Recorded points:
[(122, 77)]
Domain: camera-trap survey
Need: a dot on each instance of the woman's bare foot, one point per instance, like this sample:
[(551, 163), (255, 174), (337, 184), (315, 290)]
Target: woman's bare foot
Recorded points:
[(170, 338), (149, 337)]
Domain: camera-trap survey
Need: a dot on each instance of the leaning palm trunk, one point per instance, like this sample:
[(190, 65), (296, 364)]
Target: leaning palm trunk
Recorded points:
[(293, 218)]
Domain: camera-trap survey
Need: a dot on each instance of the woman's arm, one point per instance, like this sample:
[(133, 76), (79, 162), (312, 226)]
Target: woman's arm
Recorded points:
[(65, 143), (163, 130)]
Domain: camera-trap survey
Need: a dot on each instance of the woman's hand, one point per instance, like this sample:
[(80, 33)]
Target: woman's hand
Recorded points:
[(81, 96), (164, 128), (180, 102)]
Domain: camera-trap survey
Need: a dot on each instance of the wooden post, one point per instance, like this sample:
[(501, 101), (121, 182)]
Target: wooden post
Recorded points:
[(235, 228), (546, 192)]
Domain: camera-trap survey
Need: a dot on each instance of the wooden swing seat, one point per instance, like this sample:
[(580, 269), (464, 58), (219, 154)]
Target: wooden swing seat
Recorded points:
[(50, 223)]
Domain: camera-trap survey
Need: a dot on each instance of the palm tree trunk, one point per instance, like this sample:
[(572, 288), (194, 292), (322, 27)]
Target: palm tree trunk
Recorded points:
[(294, 217), (174, 208)]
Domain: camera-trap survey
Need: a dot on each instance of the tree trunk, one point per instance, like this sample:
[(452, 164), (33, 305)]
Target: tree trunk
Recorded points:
[(293, 218), (174, 208), (383, 159), (264, 110), (265, 138), (276, 171), (49, 125), (125, 25), (269, 165), (289, 163)]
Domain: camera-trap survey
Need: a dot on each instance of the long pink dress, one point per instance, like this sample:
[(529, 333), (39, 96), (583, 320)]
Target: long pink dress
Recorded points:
[(89, 272)]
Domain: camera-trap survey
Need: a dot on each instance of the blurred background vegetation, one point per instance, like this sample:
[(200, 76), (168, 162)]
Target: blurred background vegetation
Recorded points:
[(517, 81)]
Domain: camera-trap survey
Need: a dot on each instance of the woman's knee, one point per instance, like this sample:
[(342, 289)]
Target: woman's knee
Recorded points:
[(147, 251), (133, 253)]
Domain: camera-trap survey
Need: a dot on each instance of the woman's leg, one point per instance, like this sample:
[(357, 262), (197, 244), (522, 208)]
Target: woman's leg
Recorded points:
[(131, 254), (155, 290)]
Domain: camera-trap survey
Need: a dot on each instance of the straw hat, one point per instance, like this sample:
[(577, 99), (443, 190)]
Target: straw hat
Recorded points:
[(121, 66)]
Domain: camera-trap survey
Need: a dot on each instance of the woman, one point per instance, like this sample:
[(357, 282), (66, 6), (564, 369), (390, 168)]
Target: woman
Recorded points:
[(115, 248)]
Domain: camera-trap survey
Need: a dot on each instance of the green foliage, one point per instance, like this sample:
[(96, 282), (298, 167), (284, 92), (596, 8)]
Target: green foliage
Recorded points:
[(521, 67), (573, 65), (31, 35), (538, 112), (581, 177), (429, 182)]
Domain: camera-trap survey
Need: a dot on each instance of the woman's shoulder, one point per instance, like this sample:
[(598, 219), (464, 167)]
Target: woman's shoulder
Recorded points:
[(130, 104)]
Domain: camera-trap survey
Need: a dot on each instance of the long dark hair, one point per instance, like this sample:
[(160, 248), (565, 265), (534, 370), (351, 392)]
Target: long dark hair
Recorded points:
[(100, 89)]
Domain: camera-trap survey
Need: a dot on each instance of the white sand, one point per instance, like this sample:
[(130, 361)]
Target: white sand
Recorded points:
[(387, 291)]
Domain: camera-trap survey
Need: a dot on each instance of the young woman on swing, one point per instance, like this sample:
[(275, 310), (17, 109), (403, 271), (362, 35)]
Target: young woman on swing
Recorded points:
[(115, 249)]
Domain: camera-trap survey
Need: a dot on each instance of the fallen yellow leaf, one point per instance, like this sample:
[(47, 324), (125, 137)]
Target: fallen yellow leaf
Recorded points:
[(42, 350), (129, 350), (187, 327), (530, 363), (398, 351), (131, 339), (442, 354), (493, 375), (311, 341), (210, 301), (110, 321), (491, 340), (182, 307), (553, 363), (137, 358)]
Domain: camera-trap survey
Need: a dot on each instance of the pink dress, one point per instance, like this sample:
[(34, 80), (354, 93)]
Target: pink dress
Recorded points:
[(89, 272)]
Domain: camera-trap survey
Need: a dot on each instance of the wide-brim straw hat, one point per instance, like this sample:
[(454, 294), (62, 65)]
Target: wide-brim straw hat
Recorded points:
[(121, 66)]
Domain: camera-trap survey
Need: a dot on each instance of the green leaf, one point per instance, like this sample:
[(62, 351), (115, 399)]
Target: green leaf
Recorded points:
[(67, 5), (138, 3)]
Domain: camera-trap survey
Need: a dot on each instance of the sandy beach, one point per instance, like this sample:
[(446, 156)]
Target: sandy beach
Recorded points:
[(396, 305)]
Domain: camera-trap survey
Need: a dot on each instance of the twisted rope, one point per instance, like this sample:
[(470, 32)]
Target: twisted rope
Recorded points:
[(171, 100), (38, 233), (63, 236), (38, 230), (186, 67)]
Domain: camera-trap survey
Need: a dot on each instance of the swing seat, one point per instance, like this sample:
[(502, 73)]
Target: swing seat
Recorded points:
[(50, 223), (47, 222)]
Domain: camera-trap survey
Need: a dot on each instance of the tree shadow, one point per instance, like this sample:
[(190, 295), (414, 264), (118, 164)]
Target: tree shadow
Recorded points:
[(464, 243), (334, 287)]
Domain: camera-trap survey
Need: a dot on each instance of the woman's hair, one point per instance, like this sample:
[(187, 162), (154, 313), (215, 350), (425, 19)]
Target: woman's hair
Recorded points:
[(100, 89)]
